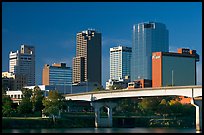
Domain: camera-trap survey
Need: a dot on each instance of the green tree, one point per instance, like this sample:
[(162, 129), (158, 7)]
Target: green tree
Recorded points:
[(6, 105), (176, 107), (188, 110), (53, 103), (127, 106), (27, 93), (115, 87), (25, 106), (3, 91), (163, 108), (149, 105), (37, 98), (98, 88)]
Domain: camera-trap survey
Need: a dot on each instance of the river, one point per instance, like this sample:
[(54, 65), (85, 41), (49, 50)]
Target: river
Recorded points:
[(103, 130)]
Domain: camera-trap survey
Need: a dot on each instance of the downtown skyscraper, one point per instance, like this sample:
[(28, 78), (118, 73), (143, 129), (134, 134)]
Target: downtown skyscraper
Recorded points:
[(120, 58), (87, 63), (148, 37), (22, 64)]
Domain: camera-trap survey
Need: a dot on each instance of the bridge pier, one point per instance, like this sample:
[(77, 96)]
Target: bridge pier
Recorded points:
[(197, 102), (99, 121)]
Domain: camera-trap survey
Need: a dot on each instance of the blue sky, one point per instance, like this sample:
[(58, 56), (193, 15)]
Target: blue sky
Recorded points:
[(52, 26)]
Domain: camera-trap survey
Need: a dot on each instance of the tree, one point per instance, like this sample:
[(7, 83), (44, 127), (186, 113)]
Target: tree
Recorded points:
[(116, 87), (27, 93), (3, 91), (6, 105), (149, 105), (163, 108), (175, 106), (53, 103), (98, 88), (127, 106), (36, 99), (25, 106), (188, 110)]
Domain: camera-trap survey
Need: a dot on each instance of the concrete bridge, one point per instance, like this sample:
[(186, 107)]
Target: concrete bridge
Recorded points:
[(195, 92)]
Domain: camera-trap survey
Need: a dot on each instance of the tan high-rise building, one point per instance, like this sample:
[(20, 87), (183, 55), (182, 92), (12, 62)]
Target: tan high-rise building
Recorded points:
[(87, 63)]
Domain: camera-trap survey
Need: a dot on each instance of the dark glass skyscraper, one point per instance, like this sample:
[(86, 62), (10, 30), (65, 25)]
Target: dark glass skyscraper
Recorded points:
[(87, 63), (148, 37)]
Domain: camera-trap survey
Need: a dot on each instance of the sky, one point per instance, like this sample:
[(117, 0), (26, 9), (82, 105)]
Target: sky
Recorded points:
[(52, 27)]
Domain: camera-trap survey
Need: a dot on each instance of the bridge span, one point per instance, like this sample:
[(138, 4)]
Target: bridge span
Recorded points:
[(188, 91), (194, 92)]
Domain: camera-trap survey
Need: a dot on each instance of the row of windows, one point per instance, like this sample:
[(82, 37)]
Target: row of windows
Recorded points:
[(16, 96), (61, 78), (60, 70)]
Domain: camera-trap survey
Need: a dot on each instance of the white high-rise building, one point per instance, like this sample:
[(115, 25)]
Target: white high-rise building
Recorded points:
[(120, 57), (22, 63)]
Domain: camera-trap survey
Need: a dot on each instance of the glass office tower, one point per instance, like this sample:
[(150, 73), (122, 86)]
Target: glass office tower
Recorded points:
[(148, 37), (57, 74)]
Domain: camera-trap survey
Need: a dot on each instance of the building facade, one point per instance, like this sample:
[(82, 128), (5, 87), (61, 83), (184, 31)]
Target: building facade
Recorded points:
[(8, 81), (113, 84), (57, 74), (120, 58), (148, 37), (87, 63), (174, 69), (22, 63), (142, 83)]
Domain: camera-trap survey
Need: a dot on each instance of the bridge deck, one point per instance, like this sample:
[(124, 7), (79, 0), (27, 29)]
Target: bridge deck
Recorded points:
[(189, 91)]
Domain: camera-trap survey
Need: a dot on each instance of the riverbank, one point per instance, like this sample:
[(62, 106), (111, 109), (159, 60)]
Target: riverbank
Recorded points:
[(30, 122), (89, 122)]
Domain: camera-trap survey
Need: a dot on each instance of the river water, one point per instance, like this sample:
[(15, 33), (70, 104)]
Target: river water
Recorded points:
[(103, 130)]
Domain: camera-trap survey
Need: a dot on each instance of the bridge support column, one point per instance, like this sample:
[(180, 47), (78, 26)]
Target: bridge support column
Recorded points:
[(197, 102), (103, 122), (110, 119), (97, 116)]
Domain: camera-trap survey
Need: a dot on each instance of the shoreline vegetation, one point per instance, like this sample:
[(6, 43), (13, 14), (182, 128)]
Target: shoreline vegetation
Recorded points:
[(89, 122)]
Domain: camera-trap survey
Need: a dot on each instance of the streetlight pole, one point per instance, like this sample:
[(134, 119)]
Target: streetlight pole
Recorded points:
[(55, 85), (71, 87), (64, 87), (172, 75), (87, 86)]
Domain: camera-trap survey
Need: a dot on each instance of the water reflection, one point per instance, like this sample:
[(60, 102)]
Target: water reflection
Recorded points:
[(103, 130)]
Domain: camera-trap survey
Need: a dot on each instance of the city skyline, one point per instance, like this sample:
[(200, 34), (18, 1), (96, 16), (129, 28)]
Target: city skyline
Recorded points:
[(52, 28)]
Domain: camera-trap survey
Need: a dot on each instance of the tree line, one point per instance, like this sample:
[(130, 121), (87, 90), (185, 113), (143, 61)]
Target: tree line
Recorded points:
[(33, 103)]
